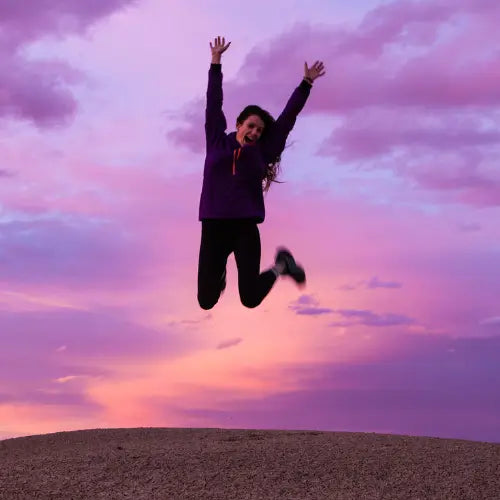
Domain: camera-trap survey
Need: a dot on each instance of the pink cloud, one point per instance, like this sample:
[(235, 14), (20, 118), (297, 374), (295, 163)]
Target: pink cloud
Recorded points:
[(81, 224), (419, 386), (357, 241), (61, 350)]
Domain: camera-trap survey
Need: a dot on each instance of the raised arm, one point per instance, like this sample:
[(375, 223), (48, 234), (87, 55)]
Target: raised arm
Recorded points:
[(276, 139), (215, 121)]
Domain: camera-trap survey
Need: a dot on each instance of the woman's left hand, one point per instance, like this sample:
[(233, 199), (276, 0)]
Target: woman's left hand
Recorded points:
[(315, 71)]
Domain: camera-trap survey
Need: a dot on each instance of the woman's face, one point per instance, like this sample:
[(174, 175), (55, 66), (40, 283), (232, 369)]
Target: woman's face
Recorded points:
[(250, 130)]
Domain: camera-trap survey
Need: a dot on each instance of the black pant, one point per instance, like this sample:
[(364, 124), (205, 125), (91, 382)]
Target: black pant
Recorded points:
[(218, 239)]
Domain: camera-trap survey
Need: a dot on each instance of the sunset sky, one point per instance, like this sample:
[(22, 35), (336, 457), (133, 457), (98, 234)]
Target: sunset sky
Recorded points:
[(391, 201)]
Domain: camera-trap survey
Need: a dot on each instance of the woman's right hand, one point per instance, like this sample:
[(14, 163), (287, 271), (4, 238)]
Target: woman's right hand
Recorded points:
[(218, 48)]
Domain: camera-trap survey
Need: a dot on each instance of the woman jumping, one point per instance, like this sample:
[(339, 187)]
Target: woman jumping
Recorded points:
[(238, 167)]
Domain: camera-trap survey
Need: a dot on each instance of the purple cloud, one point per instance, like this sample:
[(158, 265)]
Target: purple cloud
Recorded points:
[(348, 288), (53, 17), (376, 283), (468, 227), (6, 398), (368, 318), (493, 321), (307, 305), (229, 343), (455, 177), (190, 322), (313, 311), (371, 133), (37, 90), (306, 300), (58, 397)]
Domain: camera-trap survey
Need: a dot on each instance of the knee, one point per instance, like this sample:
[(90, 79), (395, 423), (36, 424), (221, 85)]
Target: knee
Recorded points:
[(206, 304), (250, 302)]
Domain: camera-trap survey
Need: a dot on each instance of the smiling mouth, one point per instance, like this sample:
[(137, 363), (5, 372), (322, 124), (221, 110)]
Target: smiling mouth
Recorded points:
[(248, 140)]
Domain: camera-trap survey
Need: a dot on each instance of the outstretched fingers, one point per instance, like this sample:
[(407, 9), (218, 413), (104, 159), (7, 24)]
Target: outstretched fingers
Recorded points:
[(321, 68), (219, 44), (316, 70)]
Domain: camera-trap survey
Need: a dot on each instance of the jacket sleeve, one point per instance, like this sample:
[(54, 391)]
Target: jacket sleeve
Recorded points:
[(275, 140), (215, 121)]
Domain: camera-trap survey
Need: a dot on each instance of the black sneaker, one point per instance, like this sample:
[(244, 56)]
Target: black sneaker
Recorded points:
[(223, 281), (291, 268)]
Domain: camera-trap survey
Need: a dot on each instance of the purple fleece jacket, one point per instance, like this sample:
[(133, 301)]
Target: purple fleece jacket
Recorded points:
[(233, 175)]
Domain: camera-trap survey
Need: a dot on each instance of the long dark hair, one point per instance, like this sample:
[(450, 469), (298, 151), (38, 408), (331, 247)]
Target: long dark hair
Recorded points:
[(273, 168)]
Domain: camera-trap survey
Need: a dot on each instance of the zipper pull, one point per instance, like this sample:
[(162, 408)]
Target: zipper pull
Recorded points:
[(236, 155)]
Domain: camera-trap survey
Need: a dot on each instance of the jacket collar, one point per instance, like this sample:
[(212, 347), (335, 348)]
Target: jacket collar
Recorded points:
[(234, 142)]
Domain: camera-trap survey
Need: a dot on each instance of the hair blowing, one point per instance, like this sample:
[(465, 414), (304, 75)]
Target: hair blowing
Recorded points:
[(272, 168)]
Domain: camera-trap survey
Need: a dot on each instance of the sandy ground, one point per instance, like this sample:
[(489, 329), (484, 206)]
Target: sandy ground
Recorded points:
[(168, 463)]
